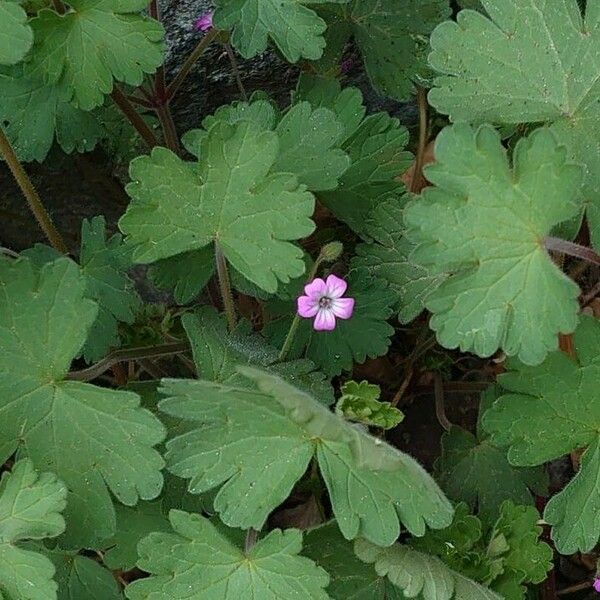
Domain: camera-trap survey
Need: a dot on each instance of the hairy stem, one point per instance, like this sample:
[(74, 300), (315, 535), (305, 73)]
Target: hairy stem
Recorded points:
[(572, 249), (191, 60), (118, 356), (417, 179), (251, 539), (440, 407), (225, 287), (236, 71), (168, 127), (121, 100), (33, 199)]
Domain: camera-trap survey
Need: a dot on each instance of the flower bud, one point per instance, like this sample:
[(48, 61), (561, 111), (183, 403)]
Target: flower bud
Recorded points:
[(331, 251)]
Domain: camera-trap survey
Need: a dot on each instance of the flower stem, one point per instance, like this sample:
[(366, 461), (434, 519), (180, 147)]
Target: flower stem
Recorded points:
[(33, 199), (289, 338), (121, 100), (191, 60), (572, 249), (236, 71), (225, 287)]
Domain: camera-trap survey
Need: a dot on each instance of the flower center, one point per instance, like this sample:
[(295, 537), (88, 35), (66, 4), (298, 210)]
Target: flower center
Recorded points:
[(324, 302)]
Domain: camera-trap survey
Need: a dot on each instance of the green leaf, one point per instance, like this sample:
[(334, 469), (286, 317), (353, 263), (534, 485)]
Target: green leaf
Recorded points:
[(217, 355), (309, 143), (296, 30), (389, 259), (420, 575), (184, 274), (95, 43), (95, 439), (485, 78), (472, 469), (30, 507), (360, 402), (325, 92), (197, 562), (366, 334), (459, 546), (509, 555), (548, 411), (16, 37), (104, 264), (259, 443), (229, 197), (484, 224), (36, 113), (518, 531), (133, 523), (351, 579), (391, 37), (309, 139), (81, 577), (377, 151)]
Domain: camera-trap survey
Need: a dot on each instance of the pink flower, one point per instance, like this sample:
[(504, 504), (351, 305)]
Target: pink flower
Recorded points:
[(205, 22), (324, 301), (597, 584)]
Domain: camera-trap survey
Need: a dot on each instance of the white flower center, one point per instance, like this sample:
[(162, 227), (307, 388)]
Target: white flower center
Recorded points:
[(325, 302)]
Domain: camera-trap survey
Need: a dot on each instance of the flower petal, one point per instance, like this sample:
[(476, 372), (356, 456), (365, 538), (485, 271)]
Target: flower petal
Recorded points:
[(343, 307), (335, 287), (316, 288), (307, 306), (325, 320)]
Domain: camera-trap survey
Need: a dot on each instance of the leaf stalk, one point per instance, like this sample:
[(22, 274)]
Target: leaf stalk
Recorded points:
[(33, 199)]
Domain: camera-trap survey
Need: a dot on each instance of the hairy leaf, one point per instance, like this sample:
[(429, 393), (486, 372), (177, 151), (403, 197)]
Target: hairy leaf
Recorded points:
[(325, 92), (391, 37), (309, 146), (377, 151), (217, 355), (484, 225), (548, 411), (230, 197), (259, 443), (515, 538), (486, 77), (389, 259), (16, 37), (81, 577), (197, 562), (309, 139), (36, 113), (104, 264), (420, 575), (95, 439), (351, 579), (95, 43), (184, 274), (360, 402), (133, 523), (30, 509), (473, 470), (294, 28)]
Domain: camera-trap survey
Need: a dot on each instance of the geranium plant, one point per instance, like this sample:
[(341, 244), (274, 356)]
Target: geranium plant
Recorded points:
[(257, 434)]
